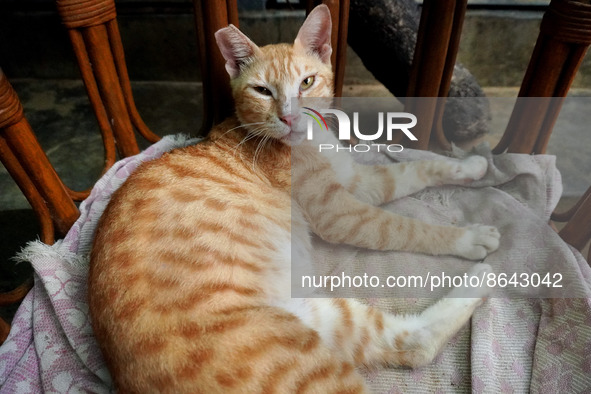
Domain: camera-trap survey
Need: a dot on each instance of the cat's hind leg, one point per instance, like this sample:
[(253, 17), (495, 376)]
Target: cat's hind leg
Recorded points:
[(367, 336)]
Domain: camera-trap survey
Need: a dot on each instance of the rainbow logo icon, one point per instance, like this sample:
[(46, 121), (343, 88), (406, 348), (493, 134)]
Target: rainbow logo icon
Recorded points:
[(315, 118)]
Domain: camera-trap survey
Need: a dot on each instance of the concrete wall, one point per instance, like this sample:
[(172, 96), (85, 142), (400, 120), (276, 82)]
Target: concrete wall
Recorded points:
[(159, 40)]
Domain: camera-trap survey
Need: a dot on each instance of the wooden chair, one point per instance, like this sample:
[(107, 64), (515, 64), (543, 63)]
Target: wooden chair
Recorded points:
[(92, 26)]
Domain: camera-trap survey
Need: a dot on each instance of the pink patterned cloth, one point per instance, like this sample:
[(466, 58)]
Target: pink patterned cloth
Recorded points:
[(51, 347), (513, 344)]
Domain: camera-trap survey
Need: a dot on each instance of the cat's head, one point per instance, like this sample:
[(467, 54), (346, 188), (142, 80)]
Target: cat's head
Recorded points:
[(265, 79)]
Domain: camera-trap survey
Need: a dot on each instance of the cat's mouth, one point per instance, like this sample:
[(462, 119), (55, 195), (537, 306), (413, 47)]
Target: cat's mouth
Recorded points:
[(295, 132), (293, 137)]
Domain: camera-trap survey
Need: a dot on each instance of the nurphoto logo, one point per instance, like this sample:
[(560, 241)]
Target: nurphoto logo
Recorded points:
[(394, 122)]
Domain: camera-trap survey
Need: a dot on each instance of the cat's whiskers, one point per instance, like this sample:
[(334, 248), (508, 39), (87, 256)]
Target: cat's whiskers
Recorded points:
[(259, 149), (252, 134), (248, 134), (242, 125), (256, 152)]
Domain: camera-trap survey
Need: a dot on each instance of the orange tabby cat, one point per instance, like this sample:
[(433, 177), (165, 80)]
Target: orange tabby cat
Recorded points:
[(190, 269)]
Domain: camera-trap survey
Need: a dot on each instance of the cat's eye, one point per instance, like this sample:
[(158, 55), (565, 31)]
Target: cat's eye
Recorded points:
[(306, 83), (263, 90)]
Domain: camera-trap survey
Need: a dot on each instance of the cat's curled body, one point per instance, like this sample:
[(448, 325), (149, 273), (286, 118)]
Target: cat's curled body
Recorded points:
[(190, 269)]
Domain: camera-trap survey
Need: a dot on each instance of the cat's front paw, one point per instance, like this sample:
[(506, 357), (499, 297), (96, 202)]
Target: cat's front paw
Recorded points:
[(477, 242), (468, 170)]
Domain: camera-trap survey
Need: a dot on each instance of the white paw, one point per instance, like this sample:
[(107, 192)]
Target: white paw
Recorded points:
[(476, 285), (477, 242), (470, 169)]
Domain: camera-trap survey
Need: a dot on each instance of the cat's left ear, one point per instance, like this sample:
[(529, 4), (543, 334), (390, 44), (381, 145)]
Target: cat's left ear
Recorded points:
[(236, 48), (314, 35)]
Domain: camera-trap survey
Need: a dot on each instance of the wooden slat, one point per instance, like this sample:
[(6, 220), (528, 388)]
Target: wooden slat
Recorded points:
[(27, 161), (431, 56), (528, 116), (24, 145), (438, 139), (340, 61), (17, 294), (119, 57), (25, 184), (103, 66), (4, 330), (94, 96), (217, 95), (577, 232), (565, 35)]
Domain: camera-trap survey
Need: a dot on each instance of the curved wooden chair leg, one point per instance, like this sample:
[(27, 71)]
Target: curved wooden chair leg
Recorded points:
[(565, 35), (121, 66), (27, 164), (18, 173), (96, 42), (577, 231), (566, 216), (339, 11), (4, 330), (19, 139), (17, 294), (432, 69), (438, 140), (210, 16)]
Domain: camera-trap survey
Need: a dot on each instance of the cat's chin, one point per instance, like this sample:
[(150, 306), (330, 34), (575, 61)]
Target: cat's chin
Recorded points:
[(293, 138)]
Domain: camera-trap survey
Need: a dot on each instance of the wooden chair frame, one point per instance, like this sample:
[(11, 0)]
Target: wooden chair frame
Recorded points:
[(565, 35)]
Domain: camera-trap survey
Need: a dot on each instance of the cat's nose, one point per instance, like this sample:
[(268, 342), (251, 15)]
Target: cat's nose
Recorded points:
[(287, 119)]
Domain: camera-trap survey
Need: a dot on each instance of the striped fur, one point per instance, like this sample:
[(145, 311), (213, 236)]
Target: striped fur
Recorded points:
[(189, 281)]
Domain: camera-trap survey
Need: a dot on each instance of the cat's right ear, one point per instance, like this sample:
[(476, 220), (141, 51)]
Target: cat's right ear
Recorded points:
[(236, 48)]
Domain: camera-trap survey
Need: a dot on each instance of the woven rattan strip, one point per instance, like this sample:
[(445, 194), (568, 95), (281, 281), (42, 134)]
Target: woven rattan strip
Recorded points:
[(11, 110), (85, 13), (568, 21)]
